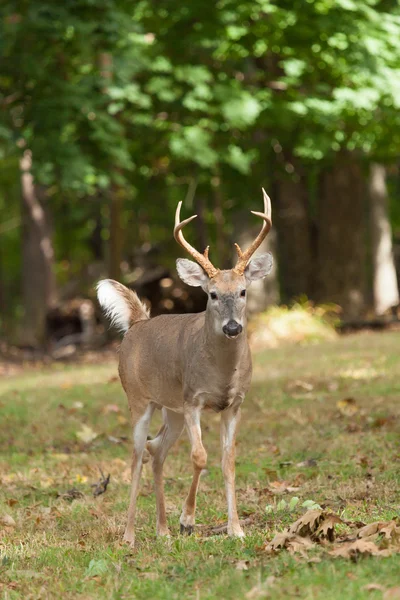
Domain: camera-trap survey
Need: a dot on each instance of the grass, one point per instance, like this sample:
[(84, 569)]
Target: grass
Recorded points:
[(296, 428)]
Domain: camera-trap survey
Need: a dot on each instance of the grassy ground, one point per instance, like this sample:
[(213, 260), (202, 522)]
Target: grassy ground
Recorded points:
[(298, 427)]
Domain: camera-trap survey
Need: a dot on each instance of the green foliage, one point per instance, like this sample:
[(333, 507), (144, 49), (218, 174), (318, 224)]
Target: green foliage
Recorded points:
[(231, 95)]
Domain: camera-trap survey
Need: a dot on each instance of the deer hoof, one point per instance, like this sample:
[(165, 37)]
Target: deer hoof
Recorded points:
[(186, 529), (129, 539)]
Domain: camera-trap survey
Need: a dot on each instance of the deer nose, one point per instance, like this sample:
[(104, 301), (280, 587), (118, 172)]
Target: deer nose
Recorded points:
[(232, 328)]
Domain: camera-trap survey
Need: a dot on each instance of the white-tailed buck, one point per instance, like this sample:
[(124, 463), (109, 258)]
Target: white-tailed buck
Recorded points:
[(183, 364)]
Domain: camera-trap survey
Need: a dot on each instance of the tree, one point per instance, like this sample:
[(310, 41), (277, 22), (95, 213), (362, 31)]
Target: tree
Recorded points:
[(385, 285), (38, 277)]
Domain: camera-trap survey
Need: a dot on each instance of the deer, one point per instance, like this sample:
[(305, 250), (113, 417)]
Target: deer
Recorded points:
[(183, 364)]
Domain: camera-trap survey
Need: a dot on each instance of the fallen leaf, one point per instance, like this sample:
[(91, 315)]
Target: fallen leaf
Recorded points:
[(327, 528), (62, 456), (308, 523), (347, 407), (242, 565), (111, 408), (290, 541), (270, 473), (86, 434), (81, 478), (299, 545), (390, 530), (351, 575), (278, 542), (392, 594), (354, 549), (114, 440), (7, 520), (371, 587), (122, 420), (71, 494), (12, 502), (281, 487), (298, 384), (310, 462)]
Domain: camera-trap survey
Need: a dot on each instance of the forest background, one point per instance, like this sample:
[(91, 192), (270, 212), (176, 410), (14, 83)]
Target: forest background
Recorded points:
[(113, 111)]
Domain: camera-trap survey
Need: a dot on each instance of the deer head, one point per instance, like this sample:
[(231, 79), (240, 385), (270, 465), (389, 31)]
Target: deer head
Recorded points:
[(226, 289)]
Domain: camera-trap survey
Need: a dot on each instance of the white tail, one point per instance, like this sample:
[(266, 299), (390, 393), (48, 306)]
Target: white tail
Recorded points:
[(121, 305)]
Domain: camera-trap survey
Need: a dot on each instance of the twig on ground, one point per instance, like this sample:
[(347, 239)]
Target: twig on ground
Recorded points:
[(71, 494), (224, 528), (101, 486)]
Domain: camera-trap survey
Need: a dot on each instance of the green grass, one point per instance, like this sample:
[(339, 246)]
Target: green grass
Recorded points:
[(73, 549)]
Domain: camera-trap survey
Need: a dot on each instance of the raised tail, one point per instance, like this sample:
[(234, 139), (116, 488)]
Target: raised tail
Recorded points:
[(121, 305)]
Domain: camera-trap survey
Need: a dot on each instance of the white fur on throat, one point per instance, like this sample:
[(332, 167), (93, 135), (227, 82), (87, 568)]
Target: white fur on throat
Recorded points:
[(121, 306)]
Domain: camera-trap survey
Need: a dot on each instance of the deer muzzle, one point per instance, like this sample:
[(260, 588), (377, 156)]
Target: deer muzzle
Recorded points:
[(232, 329)]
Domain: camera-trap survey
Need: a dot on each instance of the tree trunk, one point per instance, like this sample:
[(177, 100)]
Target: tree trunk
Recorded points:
[(341, 237), (385, 285), (38, 278), (294, 239)]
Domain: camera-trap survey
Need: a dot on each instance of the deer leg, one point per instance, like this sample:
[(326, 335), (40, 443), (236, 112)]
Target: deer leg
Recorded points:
[(199, 462), (141, 422), (159, 448), (229, 422)]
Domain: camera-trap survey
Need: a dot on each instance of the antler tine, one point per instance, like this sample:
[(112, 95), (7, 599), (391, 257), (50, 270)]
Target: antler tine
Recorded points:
[(244, 257), (202, 259)]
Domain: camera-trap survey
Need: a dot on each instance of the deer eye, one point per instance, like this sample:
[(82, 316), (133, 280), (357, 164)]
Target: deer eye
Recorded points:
[(243, 293), (213, 296)]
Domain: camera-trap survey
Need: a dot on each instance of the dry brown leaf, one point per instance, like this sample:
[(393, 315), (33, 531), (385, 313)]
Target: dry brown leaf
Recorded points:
[(86, 434), (111, 408), (308, 523), (299, 545), (310, 462), (281, 487), (347, 407), (7, 520), (12, 501), (298, 384), (354, 549), (327, 528), (242, 565), (278, 542), (392, 594), (372, 587), (390, 530), (292, 542), (370, 529)]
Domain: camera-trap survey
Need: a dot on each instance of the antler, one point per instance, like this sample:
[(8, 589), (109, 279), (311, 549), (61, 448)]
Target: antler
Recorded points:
[(202, 259), (244, 257)]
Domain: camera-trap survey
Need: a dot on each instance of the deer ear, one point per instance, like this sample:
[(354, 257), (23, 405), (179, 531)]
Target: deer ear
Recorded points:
[(258, 267), (190, 272)]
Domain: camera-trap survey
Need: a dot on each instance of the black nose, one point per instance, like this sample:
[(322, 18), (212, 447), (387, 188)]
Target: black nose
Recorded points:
[(232, 328)]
